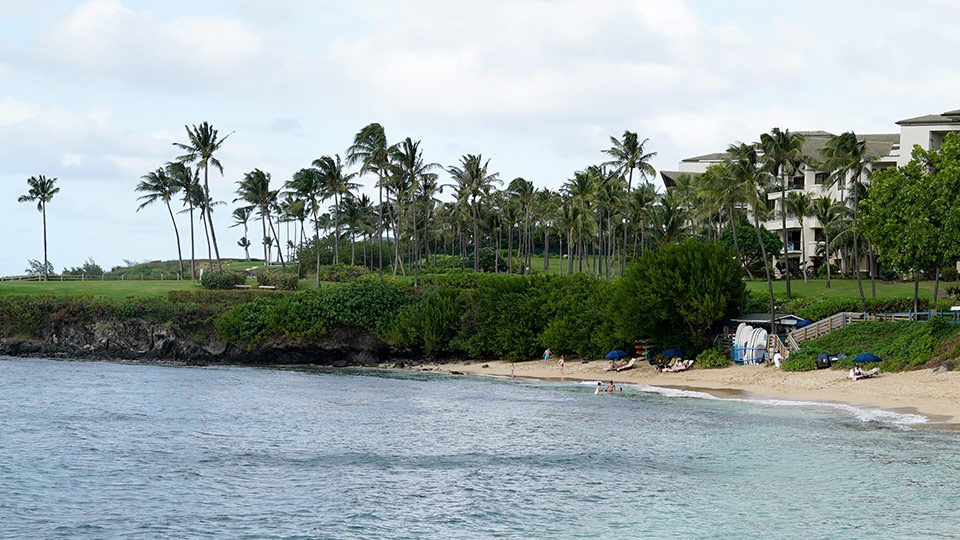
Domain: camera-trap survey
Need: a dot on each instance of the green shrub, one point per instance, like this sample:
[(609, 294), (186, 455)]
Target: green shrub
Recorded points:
[(222, 280), (713, 358), (280, 279), (340, 273)]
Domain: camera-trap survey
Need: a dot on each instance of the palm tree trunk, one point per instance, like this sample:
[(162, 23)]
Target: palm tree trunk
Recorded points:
[(626, 222), (826, 253), (193, 255), (46, 265), (266, 255), (766, 266), (279, 251), (206, 190), (783, 224), (736, 245), (316, 240), (176, 233), (856, 253)]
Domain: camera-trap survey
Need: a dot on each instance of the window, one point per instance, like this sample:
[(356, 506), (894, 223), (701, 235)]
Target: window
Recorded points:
[(820, 178)]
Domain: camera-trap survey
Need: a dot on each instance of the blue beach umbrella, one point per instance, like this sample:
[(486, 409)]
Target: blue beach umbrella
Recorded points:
[(866, 357), (672, 352), (615, 354)]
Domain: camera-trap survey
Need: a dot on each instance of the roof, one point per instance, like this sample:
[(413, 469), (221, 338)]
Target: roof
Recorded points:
[(716, 156), (670, 177), (878, 145), (764, 318), (949, 117)]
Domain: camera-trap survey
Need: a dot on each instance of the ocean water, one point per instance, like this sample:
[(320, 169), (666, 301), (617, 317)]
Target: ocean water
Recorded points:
[(109, 450)]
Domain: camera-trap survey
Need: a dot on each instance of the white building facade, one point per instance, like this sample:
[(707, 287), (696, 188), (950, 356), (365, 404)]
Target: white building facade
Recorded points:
[(886, 150)]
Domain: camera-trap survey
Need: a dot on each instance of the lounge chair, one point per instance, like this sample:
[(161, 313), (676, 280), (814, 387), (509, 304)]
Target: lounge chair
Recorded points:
[(628, 365), (871, 373)]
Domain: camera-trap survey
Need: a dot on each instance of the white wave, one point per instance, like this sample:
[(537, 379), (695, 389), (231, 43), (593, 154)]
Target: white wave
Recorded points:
[(861, 413)]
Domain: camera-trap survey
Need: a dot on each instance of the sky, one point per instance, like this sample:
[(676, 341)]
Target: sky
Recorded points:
[(95, 93)]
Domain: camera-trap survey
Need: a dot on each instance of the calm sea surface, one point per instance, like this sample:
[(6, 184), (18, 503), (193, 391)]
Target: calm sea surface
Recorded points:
[(104, 450)]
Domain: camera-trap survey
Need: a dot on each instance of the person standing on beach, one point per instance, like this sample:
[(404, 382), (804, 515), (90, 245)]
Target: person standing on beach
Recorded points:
[(546, 356), (560, 363)]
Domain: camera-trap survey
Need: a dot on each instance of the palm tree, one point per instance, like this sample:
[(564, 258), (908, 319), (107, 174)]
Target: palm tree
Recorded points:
[(203, 142), (255, 190), (408, 167), (475, 180), (743, 164), (720, 187), (628, 154), (307, 185), (783, 155), (159, 186), (547, 208), (800, 205), (371, 151), (334, 183), (241, 216), (827, 212), (189, 182), (845, 157), (42, 190)]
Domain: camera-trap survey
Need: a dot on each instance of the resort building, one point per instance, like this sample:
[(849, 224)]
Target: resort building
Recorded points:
[(885, 150)]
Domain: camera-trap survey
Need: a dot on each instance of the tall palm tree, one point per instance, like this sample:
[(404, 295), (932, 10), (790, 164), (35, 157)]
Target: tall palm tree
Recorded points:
[(241, 216), (827, 211), (628, 153), (782, 156), (307, 185), (719, 185), (547, 210), (474, 178), (407, 165), (523, 192), (159, 186), (845, 157), (255, 190), (189, 182), (801, 205), (334, 183), (42, 190), (371, 151), (203, 142), (744, 165)]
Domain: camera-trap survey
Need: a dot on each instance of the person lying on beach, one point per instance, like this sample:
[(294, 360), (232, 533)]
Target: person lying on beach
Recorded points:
[(855, 373)]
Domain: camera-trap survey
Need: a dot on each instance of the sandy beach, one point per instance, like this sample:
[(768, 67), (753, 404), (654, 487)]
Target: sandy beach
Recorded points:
[(936, 396)]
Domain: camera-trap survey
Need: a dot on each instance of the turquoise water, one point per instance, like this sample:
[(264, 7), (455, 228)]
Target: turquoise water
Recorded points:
[(104, 450)]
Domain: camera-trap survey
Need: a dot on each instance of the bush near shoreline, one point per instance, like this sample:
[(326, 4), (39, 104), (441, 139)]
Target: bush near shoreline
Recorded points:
[(461, 315)]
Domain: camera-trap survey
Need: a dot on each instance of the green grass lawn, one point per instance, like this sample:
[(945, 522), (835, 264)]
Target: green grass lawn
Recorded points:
[(116, 290), (847, 288)]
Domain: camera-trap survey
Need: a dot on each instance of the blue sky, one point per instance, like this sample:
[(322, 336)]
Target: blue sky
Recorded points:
[(95, 93)]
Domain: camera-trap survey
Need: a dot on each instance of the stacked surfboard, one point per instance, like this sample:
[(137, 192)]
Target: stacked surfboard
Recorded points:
[(749, 343)]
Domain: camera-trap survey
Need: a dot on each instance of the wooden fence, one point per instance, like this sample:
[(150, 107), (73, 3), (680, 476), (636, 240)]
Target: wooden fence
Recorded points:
[(120, 277)]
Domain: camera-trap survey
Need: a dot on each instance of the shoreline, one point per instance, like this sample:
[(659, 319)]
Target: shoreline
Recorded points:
[(935, 396)]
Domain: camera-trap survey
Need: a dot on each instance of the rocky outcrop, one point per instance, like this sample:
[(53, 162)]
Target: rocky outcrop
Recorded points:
[(146, 341)]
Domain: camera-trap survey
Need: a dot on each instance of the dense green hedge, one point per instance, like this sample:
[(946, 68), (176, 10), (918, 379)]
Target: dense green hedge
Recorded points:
[(222, 280), (279, 279), (370, 305), (900, 345)]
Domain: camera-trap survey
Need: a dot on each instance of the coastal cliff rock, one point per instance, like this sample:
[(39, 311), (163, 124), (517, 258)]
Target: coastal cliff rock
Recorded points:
[(141, 340)]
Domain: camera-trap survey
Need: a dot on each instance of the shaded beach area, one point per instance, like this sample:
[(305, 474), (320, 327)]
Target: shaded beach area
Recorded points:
[(924, 392)]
